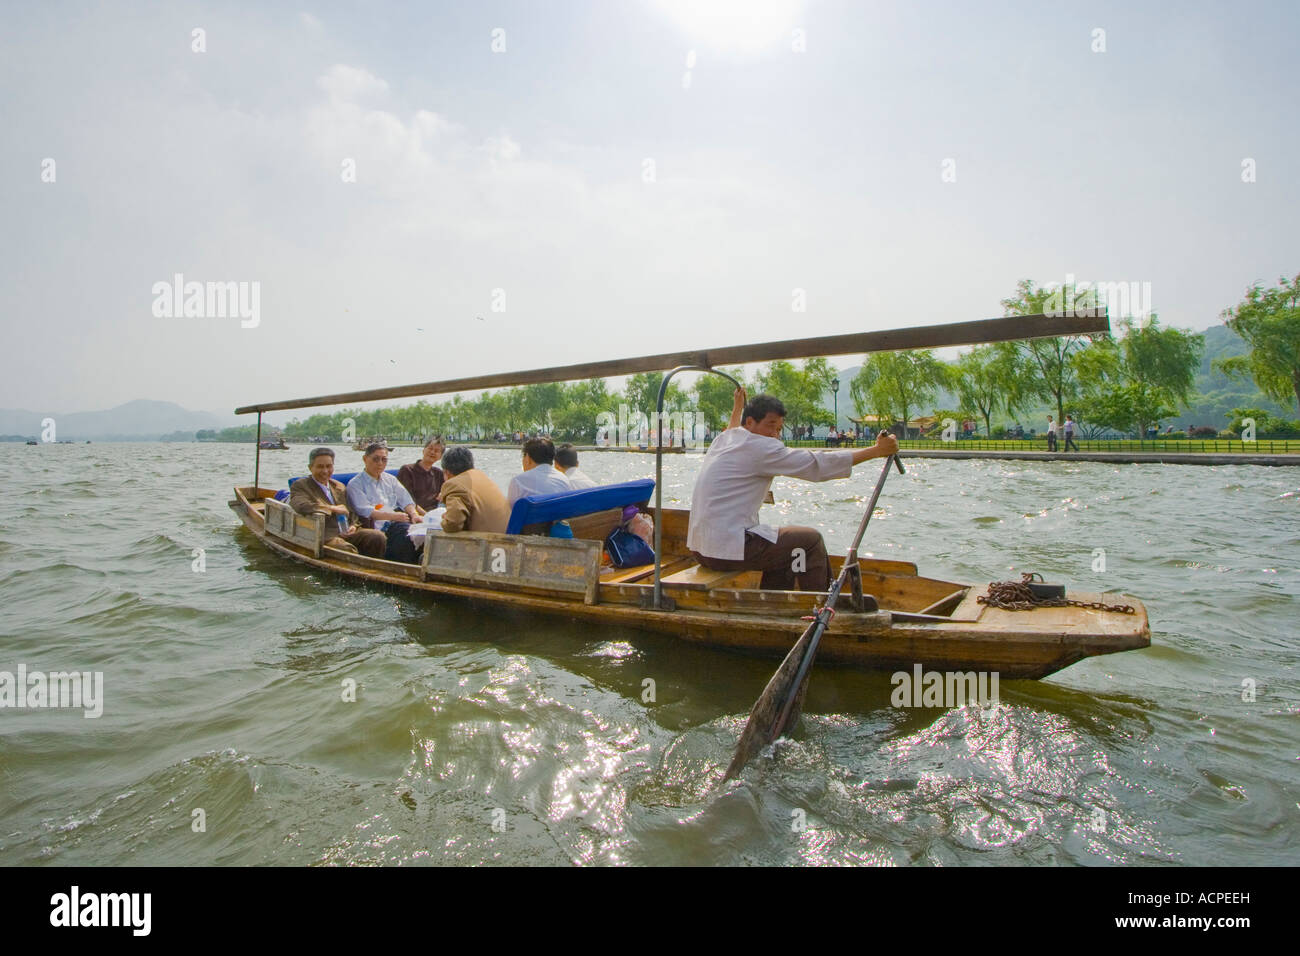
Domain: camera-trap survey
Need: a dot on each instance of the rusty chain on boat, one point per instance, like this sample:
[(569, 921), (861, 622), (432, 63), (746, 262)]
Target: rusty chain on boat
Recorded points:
[(1016, 596)]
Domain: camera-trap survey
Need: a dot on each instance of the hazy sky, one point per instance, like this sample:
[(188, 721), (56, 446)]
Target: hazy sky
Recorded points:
[(806, 150)]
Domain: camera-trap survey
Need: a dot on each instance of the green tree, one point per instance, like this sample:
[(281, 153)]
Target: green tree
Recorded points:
[(1056, 380), (714, 396), (582, 403), (1142, 378), (800, 391), (993, 377), (1266, 425), (642, 394), (894, 384), (1269, 321)]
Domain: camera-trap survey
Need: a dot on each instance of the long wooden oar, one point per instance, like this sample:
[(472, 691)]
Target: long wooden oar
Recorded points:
[(778, 707), (1075, 322)]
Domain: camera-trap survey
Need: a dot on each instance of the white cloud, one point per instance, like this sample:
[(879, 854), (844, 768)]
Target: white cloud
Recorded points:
[(347, 84)]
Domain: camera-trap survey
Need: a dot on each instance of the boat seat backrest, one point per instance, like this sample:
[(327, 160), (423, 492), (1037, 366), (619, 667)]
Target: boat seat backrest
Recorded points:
[(537, 509), (344, 477), (307, 531), (558, 568)]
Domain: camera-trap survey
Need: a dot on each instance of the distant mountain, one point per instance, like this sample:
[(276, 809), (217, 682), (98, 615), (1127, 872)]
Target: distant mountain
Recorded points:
[(140, 420)]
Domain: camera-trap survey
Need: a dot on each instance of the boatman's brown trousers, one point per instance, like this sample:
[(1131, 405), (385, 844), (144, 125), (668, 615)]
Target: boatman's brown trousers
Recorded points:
[(798, 556)]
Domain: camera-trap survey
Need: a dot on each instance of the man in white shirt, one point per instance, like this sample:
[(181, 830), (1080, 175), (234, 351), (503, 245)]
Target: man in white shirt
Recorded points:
[(380, 497), (725, 533), (540, 476), (566, 461)]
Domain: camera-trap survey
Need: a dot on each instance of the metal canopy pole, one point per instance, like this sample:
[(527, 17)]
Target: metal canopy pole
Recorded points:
[(658, 602), (257, 456)]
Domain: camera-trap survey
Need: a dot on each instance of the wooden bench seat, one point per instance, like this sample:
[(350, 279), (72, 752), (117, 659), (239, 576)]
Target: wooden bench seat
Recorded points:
[(699, 578), (642, 572)]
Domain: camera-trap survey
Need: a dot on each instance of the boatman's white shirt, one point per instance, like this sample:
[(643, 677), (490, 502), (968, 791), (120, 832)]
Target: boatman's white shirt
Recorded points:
[(538, 480), (738, 470)]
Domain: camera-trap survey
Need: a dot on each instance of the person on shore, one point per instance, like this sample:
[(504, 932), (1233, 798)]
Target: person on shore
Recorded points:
[(725, 533), (1051, 433), (423, 478), (566, 461), (473, 500), (539, 476), (1069, 434), (379, 498), (321, 494)]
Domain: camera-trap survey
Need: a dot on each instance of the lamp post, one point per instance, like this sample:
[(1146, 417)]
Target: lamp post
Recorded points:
[(835, 390)]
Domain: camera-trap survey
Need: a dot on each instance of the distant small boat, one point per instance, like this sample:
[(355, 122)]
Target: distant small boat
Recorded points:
[(33, 443), (272, 444)]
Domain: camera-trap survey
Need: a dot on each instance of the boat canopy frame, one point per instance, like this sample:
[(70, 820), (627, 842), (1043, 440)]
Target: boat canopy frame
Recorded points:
[(657, 601), (1089, 322)]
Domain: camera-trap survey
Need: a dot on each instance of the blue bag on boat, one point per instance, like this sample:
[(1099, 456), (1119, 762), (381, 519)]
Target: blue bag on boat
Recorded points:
[(627, 550)]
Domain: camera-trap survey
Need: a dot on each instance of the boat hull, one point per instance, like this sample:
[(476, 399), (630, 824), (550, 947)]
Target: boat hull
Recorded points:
[(1015, 645)]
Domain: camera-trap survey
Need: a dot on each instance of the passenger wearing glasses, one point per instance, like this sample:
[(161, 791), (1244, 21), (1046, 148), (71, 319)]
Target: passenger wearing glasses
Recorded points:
[(379, 498)]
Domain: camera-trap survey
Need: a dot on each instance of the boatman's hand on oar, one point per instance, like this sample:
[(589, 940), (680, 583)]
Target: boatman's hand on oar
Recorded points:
[(886, 445)]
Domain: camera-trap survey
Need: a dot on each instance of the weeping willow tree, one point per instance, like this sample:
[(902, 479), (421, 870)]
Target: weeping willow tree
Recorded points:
[(893, 384), (1269, 321)]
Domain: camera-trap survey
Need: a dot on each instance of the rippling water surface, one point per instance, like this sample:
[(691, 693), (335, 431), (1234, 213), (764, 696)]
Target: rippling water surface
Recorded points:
[(503, 739)]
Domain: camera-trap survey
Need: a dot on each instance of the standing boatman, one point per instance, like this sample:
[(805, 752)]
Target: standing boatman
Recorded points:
[(725, 533)]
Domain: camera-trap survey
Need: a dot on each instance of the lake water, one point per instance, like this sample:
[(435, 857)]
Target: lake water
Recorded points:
[(504, 740)]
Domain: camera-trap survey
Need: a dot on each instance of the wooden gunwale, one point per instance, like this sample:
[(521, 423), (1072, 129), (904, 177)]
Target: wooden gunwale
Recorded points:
[(1025, 647)]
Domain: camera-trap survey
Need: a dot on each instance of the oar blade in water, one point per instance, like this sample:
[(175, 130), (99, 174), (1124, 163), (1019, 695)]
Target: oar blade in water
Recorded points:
[(761, 729)]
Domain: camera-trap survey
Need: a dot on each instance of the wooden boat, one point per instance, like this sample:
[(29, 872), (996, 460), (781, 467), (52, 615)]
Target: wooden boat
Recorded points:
[(725, 609), (900, 619)]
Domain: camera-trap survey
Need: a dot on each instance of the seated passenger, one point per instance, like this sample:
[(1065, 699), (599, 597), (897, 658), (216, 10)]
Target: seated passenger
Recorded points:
[(566, 461), (473, 500), (321, 494), (540, 476), (378, 497), (423, 478)]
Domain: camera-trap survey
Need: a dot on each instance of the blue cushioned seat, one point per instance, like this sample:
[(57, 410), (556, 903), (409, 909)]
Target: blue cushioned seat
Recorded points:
[(534, 509), (344, 478)]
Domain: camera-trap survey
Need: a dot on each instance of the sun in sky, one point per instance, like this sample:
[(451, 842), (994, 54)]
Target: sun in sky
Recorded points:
[(739, 27)]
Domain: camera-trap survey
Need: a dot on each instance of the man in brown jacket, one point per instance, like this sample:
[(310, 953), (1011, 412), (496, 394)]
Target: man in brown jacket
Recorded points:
[(474, 502), (321, 494)]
